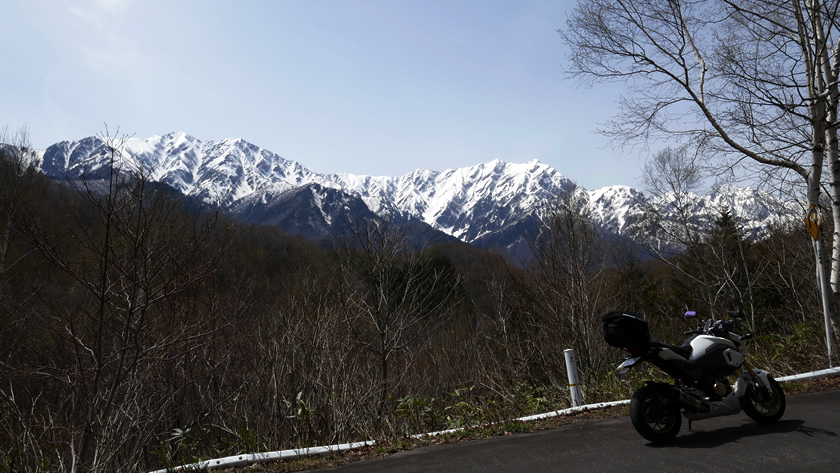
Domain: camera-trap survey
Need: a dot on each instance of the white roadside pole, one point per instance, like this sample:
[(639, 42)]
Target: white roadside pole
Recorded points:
[(814, 221), (571, 368)]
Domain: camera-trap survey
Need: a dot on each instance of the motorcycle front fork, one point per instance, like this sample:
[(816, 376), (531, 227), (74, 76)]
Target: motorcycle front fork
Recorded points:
[(754, 376)]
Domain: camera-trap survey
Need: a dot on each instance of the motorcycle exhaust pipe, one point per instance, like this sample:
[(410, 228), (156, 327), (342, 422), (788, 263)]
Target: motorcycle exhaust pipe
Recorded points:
[(693, 402)]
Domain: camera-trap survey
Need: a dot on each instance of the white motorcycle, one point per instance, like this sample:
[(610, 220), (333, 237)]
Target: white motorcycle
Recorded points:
[(700, 368)]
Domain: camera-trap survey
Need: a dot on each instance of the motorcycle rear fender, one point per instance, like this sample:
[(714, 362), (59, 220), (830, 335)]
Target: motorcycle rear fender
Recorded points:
[(628, 364), (746, 379)]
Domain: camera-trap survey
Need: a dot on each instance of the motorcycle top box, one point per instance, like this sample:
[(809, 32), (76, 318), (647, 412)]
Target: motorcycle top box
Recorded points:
[(626, 330)]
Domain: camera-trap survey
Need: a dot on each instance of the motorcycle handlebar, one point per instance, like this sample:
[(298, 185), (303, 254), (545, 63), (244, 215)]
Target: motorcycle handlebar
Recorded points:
[(719, 326)]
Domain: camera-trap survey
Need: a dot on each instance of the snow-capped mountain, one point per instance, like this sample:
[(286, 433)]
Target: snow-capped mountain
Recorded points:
[(221, 172), (488, 204), (467, 203), (620, 208)]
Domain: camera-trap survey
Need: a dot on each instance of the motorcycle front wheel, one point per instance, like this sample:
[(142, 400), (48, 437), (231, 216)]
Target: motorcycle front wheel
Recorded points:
[(655, 413), (762, 405)]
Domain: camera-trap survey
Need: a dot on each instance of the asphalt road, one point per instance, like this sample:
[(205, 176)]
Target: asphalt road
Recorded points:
[(805, 439)]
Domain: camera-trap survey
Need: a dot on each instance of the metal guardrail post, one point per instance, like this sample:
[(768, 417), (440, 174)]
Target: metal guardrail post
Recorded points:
[(571, 369)]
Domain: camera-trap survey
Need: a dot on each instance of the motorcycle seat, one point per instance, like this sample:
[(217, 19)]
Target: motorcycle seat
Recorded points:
[(683, 350)]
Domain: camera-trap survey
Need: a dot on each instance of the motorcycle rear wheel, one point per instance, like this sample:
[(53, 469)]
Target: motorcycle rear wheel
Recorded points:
[(761, 406), (655, 413)]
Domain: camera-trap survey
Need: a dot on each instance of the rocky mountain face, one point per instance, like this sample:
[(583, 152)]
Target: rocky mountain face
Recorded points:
[(488, 205)]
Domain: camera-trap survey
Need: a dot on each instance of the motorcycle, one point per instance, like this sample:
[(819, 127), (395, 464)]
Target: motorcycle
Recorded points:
[(700, 368)]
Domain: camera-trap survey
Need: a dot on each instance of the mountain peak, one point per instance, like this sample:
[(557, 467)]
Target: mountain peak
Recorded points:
[(174, 136)]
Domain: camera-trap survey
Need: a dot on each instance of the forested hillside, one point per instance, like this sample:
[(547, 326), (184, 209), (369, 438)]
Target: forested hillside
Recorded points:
[(137, 332)]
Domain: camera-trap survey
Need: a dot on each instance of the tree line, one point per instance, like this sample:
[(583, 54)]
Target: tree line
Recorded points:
[(136, 333)]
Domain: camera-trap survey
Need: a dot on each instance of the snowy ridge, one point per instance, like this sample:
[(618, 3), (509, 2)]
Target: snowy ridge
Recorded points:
[(613, 206), (469, 203), (448, 200)]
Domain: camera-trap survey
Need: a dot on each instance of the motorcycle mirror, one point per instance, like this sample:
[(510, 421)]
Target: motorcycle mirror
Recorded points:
[(690, 315)]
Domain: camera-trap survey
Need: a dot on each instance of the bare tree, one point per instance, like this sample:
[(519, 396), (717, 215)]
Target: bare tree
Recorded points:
[(18, 166), (136, 260), (746, 81), (566, 281), (671, 220), (396, 295), (673, 224)]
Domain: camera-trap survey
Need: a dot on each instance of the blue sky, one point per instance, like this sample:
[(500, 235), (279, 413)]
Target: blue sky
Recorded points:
[(377, 87)]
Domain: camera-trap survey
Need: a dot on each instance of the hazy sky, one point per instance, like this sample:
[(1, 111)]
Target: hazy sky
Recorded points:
[(377, 87)]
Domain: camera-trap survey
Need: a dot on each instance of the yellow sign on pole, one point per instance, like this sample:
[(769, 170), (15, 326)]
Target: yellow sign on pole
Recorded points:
[(813, 221)]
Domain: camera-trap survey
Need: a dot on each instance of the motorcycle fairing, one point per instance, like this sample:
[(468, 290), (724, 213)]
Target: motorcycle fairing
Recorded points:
[(733, 357), (728, 406), (702, 344), (746, 379)]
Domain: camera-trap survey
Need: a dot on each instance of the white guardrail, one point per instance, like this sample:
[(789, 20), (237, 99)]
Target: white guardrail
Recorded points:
[(254, 458), (811, 375)]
